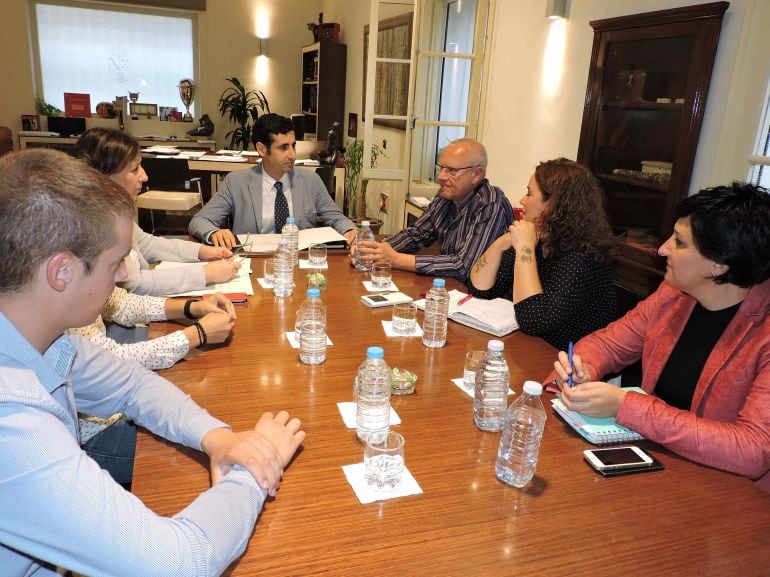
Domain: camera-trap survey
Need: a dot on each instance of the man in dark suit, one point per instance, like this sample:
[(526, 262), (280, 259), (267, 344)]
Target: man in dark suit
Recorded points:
[(259, 200)]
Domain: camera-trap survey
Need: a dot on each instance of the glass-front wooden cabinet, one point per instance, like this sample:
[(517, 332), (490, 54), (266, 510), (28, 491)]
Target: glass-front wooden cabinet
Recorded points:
[(644, 106)]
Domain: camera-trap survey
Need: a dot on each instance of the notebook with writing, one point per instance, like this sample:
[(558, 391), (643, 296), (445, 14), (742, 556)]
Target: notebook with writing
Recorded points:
[(495, 316), (599, 431)]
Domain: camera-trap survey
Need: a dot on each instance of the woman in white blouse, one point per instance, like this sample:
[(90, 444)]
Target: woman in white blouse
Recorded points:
[(117, 155)]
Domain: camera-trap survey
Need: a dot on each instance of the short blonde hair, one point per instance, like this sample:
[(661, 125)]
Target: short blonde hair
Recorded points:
[(49, 203)]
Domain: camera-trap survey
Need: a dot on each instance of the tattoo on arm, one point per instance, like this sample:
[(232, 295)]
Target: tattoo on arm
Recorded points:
[(481, 263), (527, 254)]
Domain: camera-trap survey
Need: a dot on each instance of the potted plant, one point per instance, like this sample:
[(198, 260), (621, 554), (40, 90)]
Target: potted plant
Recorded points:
[(242, 107), (355, 185), (45, 109)]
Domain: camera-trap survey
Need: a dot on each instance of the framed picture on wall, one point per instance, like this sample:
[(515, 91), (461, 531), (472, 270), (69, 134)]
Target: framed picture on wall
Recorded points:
[(353, 125), (30, 122)]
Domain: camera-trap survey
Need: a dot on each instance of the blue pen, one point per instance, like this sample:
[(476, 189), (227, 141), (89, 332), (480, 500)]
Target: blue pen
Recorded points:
[(571, 366)]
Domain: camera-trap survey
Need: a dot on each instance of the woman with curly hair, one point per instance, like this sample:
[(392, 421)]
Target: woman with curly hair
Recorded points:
[(555, 262)]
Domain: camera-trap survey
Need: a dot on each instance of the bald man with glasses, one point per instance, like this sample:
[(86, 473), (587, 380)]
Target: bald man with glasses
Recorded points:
[(465, 217)]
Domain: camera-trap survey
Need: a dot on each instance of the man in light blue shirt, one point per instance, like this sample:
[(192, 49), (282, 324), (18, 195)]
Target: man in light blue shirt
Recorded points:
[(65, 230)]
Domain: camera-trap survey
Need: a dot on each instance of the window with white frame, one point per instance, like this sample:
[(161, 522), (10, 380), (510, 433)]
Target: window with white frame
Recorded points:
[(107, 51), (449, 80), (760, 161)]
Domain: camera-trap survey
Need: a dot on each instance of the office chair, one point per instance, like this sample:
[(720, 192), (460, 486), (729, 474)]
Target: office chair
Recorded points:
[(170, 190)]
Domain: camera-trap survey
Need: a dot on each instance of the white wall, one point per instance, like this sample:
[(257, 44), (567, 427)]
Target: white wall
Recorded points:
[(529, 118)]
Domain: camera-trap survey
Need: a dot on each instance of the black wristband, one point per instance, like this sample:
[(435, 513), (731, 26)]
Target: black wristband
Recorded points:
[(187, 305), (201, 333)]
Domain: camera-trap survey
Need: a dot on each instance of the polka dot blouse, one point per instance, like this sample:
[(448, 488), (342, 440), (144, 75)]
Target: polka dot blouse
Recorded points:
[(578, 296)]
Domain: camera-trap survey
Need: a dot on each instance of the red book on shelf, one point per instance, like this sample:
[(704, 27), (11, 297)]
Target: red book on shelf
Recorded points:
[(77, 104)]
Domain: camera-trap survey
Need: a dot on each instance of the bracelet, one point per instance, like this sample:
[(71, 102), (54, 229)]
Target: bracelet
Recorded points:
[(201, 333), (187, 305)]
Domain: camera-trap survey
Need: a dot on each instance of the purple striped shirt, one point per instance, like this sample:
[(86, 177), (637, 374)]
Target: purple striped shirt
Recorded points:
[(463, 233)]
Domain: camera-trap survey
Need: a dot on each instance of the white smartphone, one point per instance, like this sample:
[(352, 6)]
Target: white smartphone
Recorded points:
[(617, 458)]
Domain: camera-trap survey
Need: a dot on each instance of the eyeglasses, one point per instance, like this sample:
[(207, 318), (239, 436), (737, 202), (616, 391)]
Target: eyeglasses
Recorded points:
[(450, 170)]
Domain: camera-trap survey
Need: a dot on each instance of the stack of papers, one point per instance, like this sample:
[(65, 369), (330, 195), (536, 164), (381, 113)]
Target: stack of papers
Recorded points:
[(420, 201), (158, 149), (223, 158), (268, 243), (187, 153), (241, 283), (495, 316)]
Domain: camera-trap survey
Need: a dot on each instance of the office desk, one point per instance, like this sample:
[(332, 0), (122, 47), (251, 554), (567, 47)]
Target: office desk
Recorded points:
[(686, 520), (66, 142)]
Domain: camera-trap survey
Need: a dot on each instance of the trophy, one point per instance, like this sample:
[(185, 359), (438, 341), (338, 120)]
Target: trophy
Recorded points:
[(186, 93), (134, 96)]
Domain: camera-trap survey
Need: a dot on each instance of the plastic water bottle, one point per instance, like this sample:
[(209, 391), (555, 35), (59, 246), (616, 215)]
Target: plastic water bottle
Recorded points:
[(520, 442), (436, 312), (490, 397), (310, 329), (364, 233), (373, 404), (291, 233), (283, 270)]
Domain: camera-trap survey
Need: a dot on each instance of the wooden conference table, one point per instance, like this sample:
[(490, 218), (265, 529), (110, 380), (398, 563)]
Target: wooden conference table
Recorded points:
[(686, 520)]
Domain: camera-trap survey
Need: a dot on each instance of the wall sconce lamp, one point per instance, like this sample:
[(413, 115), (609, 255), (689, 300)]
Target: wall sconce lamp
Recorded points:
[(261, 46), (555, 9)]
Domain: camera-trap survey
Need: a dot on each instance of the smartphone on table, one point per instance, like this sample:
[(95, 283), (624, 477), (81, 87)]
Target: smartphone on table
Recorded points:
[(619, 460)]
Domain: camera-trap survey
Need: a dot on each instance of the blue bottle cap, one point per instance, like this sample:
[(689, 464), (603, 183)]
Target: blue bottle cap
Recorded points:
[(375, 353), (439, 282), (291, 219), (314, 292)]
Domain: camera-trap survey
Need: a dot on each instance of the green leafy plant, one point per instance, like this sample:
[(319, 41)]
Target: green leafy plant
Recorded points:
[(44, 109), (355, 185), (242, 107)]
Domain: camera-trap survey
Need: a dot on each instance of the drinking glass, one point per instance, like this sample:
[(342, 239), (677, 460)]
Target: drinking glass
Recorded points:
[(268, 275), (472, 362), (381, 274), (404, 318), (316, 254), (384, 459), (518, 213)]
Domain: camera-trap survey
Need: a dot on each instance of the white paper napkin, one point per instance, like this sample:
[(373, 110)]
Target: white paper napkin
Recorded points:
[(388, 327), (369, 493), (368, 286), (265, 284), (305, 263), (290, 336), (348, 413), (470, 392)]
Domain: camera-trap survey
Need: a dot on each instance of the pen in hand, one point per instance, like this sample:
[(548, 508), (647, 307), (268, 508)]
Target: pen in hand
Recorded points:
[(571, 366)]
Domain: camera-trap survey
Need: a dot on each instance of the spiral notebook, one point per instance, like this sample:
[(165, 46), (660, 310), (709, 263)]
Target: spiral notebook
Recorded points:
[(595, 430)]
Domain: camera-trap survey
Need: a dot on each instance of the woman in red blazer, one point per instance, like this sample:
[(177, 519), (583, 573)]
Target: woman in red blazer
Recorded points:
[(703, 337)]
